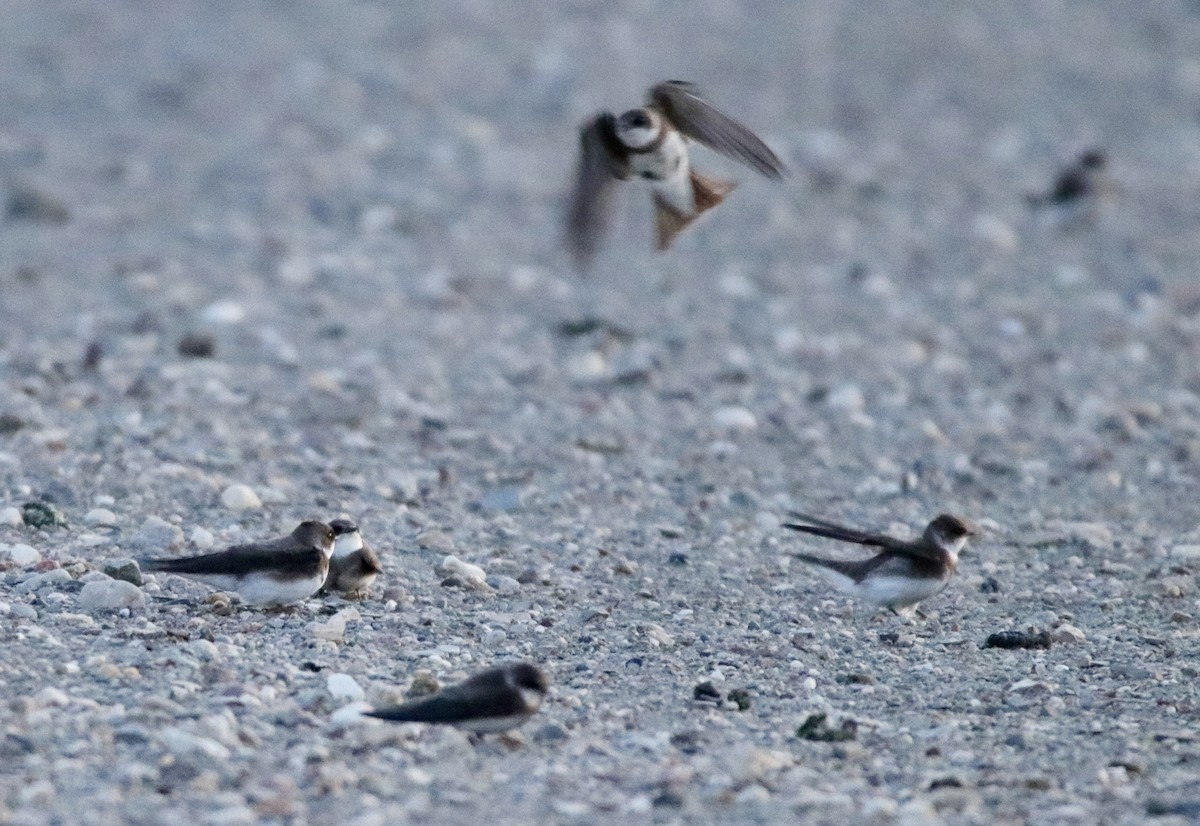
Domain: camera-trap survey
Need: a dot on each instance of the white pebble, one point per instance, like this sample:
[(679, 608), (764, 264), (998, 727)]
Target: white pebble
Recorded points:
[(848, 397), (202, 538), (587, 367), (181, 743), (734, 418), (223, 312), (240, 497), (51, 696), (100, 516), (1067, 633), (350, 714), (11, 516), (472, 575), (110, 595), (345, 687), (23, 555)]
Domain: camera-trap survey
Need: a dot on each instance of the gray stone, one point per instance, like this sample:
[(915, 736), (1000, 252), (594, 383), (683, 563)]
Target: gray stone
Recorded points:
[(124, 569), (110, 595), (156, 534)]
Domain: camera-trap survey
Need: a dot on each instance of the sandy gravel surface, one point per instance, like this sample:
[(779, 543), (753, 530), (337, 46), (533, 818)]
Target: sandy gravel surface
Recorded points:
[(313, 249)]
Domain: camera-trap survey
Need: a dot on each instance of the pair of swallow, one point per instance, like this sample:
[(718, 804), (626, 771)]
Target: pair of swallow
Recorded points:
[(904, 572), (289, 569), (652, 143)]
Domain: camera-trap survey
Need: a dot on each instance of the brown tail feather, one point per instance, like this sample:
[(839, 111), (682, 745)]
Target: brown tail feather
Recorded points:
[(706, 193)]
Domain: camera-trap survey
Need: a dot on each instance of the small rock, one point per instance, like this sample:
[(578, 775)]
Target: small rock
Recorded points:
[(240, 497), (846, 397), (504, 499), (157, 534), (11, 516), (678, 558), (41, 515), (27, 203), (471, 575), (345, 687), (21, 610), (817, 728), (38, 582), (706, 692), (990, 585), (740, 697), (100, 516), (23, 555), (202, 538), (223, 312), (334, 629), (110, 595), (734, 418), (197, 345), (1188, 552), (1067, 633), (350, 714), (504, 584), (126, 570), (52, 697), (435, 541), (423, 684), (182, 743), (550, 733)]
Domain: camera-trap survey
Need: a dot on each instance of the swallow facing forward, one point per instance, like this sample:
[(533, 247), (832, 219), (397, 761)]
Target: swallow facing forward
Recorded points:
[(274, 572), (354, 564), (651, 142), (491, 701), (904, 572)]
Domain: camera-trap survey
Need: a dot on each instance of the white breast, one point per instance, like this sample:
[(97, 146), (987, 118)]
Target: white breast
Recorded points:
[(897, 592)]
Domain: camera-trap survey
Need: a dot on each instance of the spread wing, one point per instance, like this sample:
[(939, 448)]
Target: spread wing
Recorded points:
[(703, 122), (601, 163)]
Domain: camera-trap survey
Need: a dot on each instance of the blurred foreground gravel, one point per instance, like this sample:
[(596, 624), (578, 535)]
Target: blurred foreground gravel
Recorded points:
[(261, 262)]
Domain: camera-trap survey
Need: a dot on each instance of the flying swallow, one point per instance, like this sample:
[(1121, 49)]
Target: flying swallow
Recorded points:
[(269, 573), (651, 142), (904, 572), (354, 564), (491, 701)]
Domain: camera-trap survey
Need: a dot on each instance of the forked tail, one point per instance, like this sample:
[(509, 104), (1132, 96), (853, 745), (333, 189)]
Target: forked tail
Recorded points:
[(706, 193)]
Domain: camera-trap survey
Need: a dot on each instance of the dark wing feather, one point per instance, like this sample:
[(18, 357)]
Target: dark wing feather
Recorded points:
[(820, 527), (703, 122), (486, 695), (240, 561), (601, 163)]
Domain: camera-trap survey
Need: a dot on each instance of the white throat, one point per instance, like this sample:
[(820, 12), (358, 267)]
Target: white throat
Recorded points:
[(638, 137), (347, 544)]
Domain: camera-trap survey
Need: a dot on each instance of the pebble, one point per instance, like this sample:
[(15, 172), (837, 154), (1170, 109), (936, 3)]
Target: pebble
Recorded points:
[(110, 595), (37, 582), (1188, 552), (1068, 633), (22, 554), (182, 743), (350, 714), (124, 569), (344, 687), (507, 498), (240, 497), (11, 516), (223, 312), (471, 575), (100, 516), (846, 397), (41, 515), (435, 541), (202, 538), (157, 534), (51, 696), (504, 584), (734, 418)]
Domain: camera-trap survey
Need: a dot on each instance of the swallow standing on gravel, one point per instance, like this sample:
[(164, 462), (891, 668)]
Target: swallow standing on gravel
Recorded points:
[(651, 142), (269, 573), (354, 564), (491, 701), (1081, 180), (904, 572)]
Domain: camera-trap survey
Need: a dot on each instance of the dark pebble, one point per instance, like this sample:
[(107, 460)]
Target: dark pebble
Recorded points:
[(1018, 639), (817, 728), (197, 346), (29, 204), (991, 585), (706, 691), (677, 559), (741, 697)]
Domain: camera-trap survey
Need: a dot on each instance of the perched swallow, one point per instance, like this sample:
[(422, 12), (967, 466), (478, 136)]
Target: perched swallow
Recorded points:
[(651, 142), (491, 701), (1080, 180), (354, 564), (275, 572), (903, 573)]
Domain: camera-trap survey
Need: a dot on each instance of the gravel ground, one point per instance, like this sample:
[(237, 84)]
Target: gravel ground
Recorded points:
[(313, 249)]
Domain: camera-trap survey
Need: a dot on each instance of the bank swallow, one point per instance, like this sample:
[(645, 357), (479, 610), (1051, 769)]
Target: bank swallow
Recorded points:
[(651, 142), (491, 701), (269, 573), (354, 564), (904, 572), (1083, 179)]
